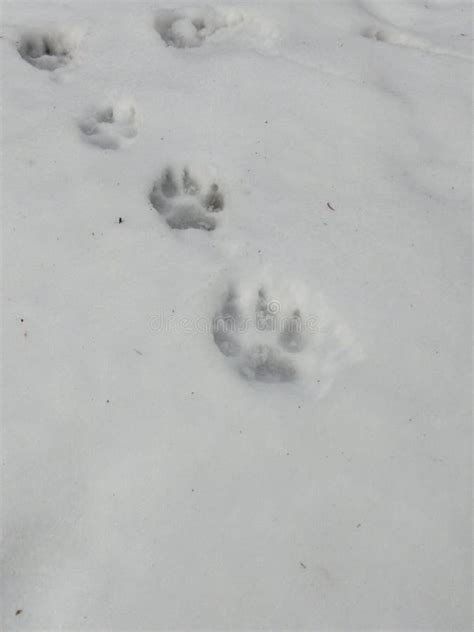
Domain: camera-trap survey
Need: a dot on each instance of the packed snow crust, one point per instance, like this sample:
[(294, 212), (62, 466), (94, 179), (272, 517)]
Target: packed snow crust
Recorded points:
[(237, 308)]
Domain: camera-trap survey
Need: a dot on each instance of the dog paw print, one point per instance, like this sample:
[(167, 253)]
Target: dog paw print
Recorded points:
[(188, 28), (275, 333), (111, 127), (261, 337), (178, 196), (193, 27), (396, 37), (48, 50)]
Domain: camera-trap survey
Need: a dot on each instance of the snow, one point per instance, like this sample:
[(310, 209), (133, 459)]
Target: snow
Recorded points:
[(159, 474)]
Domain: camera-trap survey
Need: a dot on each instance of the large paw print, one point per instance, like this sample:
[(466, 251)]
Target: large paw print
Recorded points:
[(111, 127), (48, 50), (178, 197), (297, 337), (261, 338)]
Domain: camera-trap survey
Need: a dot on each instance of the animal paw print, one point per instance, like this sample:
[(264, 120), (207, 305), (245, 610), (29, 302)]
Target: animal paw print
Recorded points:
[(397, 37), (111, 127), (178, 197), (48, 50), (188, 28), (261, 339)]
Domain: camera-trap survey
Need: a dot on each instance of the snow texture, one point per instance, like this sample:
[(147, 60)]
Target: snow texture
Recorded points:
[(237, 313)]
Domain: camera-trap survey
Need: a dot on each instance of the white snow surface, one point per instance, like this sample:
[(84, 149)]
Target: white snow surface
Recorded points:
[(149, 480)]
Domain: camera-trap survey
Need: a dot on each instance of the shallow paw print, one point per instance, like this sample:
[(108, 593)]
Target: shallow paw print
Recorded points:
[(178, 196), (260, 338), (396, 37), (194, 27), (48, 50), (111, 127), (188, 28)]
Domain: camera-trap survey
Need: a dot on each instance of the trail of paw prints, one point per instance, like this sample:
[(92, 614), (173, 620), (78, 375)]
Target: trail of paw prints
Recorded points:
[(49, 49), (275, 339), (111, 127), (179, 197), (192, 27)]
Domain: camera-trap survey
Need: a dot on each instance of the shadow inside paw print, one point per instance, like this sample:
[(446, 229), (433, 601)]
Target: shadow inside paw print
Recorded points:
[(178, 197), (111, 127), (262, 344), (47, 50)]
